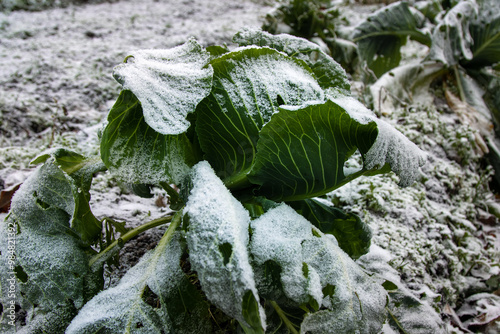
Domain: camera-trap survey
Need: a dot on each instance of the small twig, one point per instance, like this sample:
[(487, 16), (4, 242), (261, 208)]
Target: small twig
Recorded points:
[(118, 243)]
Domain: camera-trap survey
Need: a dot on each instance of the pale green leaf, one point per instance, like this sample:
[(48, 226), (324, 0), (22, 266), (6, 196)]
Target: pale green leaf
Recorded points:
[(217, 237), (169, 83)]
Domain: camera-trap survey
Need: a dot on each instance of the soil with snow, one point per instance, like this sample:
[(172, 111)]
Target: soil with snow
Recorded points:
[(442, 233)]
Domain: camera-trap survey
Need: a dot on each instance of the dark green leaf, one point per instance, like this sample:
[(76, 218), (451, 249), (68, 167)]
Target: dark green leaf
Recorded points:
[(247, 86), (169, 83), (485, 32), (382, 34), (136, 153), (301, 151), (353, 235), (327, 71)]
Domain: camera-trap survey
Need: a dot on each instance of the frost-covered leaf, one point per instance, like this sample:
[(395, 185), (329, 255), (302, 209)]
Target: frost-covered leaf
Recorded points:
[(51, 223), (314, 271), (135, 153), (381, 36), (328, 72), (249, 85), (302, 150), (146, 299), (451, 39), (169, 83), (217, 238), (352, 234), (79, 171)]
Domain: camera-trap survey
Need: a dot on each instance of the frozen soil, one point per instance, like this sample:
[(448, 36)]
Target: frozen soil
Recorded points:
[(442, 233)]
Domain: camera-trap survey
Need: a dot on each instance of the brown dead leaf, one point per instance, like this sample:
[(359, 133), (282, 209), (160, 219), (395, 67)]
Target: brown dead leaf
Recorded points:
[(6, 197)]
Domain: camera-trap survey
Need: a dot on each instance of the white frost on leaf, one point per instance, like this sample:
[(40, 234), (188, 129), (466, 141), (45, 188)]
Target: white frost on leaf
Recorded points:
[(391, 146), (123, 309), (46, 248), (356, 304), (217, 238), (257, 76), (169, 83)]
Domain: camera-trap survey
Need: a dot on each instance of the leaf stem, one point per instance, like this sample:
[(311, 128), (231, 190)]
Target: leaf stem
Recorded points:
[(282, 315), (118, 243), (459, 83)]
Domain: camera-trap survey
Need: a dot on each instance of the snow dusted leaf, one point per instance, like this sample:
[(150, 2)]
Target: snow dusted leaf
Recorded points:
[(328, 72), (79, 172), (352, 234), (217, 238), (146, 299), (302, 150), (169, 84), (52, 225), (381, 36), (451, 39), (316, 272), (249, 85), (135, 153), (391, 147)]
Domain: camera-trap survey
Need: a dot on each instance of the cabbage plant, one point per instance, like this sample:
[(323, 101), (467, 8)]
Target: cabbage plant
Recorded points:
[(246, 142)]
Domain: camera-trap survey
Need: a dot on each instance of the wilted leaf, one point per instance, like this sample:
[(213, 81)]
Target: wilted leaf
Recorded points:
[(485, 32), (169, 83), (217, 237), (407, 314), (6, 197), (135, 153), (405, 84), (451, 39)]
